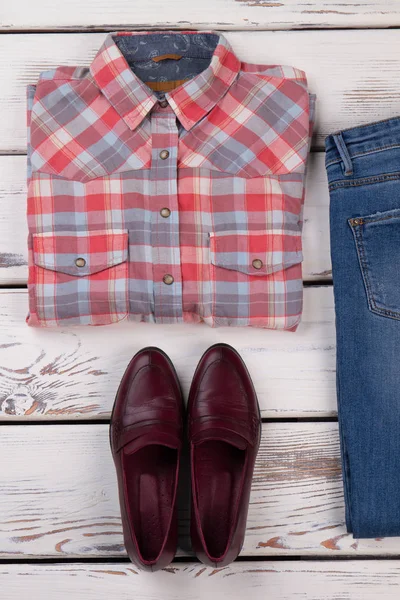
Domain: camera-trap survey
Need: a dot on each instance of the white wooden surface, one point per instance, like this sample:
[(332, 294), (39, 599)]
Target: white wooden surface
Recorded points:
[(58, 498), (327, 580), (229, 14), (74, 373)]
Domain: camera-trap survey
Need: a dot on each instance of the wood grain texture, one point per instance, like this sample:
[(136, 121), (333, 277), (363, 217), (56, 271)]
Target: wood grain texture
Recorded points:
[(14, 231), (59, 495), (13, 222), (354, 76), (73, 373), (330, 580), (228, 14)]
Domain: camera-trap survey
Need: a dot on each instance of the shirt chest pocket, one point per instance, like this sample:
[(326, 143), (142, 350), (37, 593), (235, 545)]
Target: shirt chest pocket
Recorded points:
[(254, 271), (79, 277)]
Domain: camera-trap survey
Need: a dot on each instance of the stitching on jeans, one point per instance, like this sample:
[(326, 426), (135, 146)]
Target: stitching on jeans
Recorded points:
[(379, 149), (333, 162), (342, 183), (377, 219), (365, 273), (344, 154)]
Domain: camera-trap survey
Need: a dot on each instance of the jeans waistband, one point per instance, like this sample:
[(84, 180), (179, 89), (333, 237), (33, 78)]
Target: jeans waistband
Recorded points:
[(363, 139)]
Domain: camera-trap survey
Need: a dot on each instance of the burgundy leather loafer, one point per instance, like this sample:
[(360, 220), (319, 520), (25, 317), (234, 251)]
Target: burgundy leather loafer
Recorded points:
[(224, 427), (146, 438)]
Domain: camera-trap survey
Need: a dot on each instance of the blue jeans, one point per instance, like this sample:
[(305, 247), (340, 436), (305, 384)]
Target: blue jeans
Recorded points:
[(363, 167)]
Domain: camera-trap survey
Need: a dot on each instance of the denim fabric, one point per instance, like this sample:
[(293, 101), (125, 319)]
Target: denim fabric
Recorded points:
[(196, 50), (363, 167)]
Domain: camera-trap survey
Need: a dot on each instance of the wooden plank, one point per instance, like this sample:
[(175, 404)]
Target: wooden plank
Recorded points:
[(13, 223), (59, 495), (228, 14), (355, 75), (330, 580), (13, 226), (75, 372)]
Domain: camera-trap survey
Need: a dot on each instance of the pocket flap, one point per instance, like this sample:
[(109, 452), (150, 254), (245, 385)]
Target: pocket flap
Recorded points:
[(80, 253), (255, 253)]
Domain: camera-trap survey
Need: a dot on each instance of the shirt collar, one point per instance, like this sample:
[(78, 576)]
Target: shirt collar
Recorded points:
[(191, 101)]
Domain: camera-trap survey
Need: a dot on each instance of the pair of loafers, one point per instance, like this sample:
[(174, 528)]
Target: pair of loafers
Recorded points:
[(147, 428)]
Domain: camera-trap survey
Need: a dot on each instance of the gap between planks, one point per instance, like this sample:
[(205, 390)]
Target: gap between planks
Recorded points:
[(177, 14), (190, 560), (106, 420), (70, 374), (218, 27)]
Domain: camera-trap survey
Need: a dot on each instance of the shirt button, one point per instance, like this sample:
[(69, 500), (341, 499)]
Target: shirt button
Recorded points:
[(80, 262), (163, 103), (257, 263), (164, 154), (168, 279), (165, 212)]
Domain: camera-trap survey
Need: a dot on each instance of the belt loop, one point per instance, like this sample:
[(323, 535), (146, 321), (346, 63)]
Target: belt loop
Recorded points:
[(344, 153)]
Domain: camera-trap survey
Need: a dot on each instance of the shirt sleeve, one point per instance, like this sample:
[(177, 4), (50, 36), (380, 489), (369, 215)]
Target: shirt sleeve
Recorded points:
[(312, 101), (30, 93)]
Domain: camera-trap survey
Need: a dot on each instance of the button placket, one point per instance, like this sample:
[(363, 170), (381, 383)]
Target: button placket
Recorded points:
[(165, 218)]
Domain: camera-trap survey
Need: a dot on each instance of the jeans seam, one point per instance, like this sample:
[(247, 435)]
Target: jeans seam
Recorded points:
[(346, 474), (375, 150), (364, 181), (369, 124), (347, 165), (378, 219), (378, 149)]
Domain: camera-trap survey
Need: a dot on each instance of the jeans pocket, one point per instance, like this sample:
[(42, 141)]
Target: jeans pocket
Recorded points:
[(377, 239)]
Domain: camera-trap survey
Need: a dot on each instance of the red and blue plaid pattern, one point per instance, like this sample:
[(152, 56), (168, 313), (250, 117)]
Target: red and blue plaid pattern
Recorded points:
[(224, 150), (82, 274)]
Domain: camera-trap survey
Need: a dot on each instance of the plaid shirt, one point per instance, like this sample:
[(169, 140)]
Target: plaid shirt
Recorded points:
[(166, 184)]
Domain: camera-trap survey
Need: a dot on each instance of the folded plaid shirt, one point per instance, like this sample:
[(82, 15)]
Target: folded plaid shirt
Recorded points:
[(166, 184)]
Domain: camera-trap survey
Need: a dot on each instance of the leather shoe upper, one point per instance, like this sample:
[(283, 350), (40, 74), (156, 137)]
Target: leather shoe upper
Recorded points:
[(224, 434), (146, 438)]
